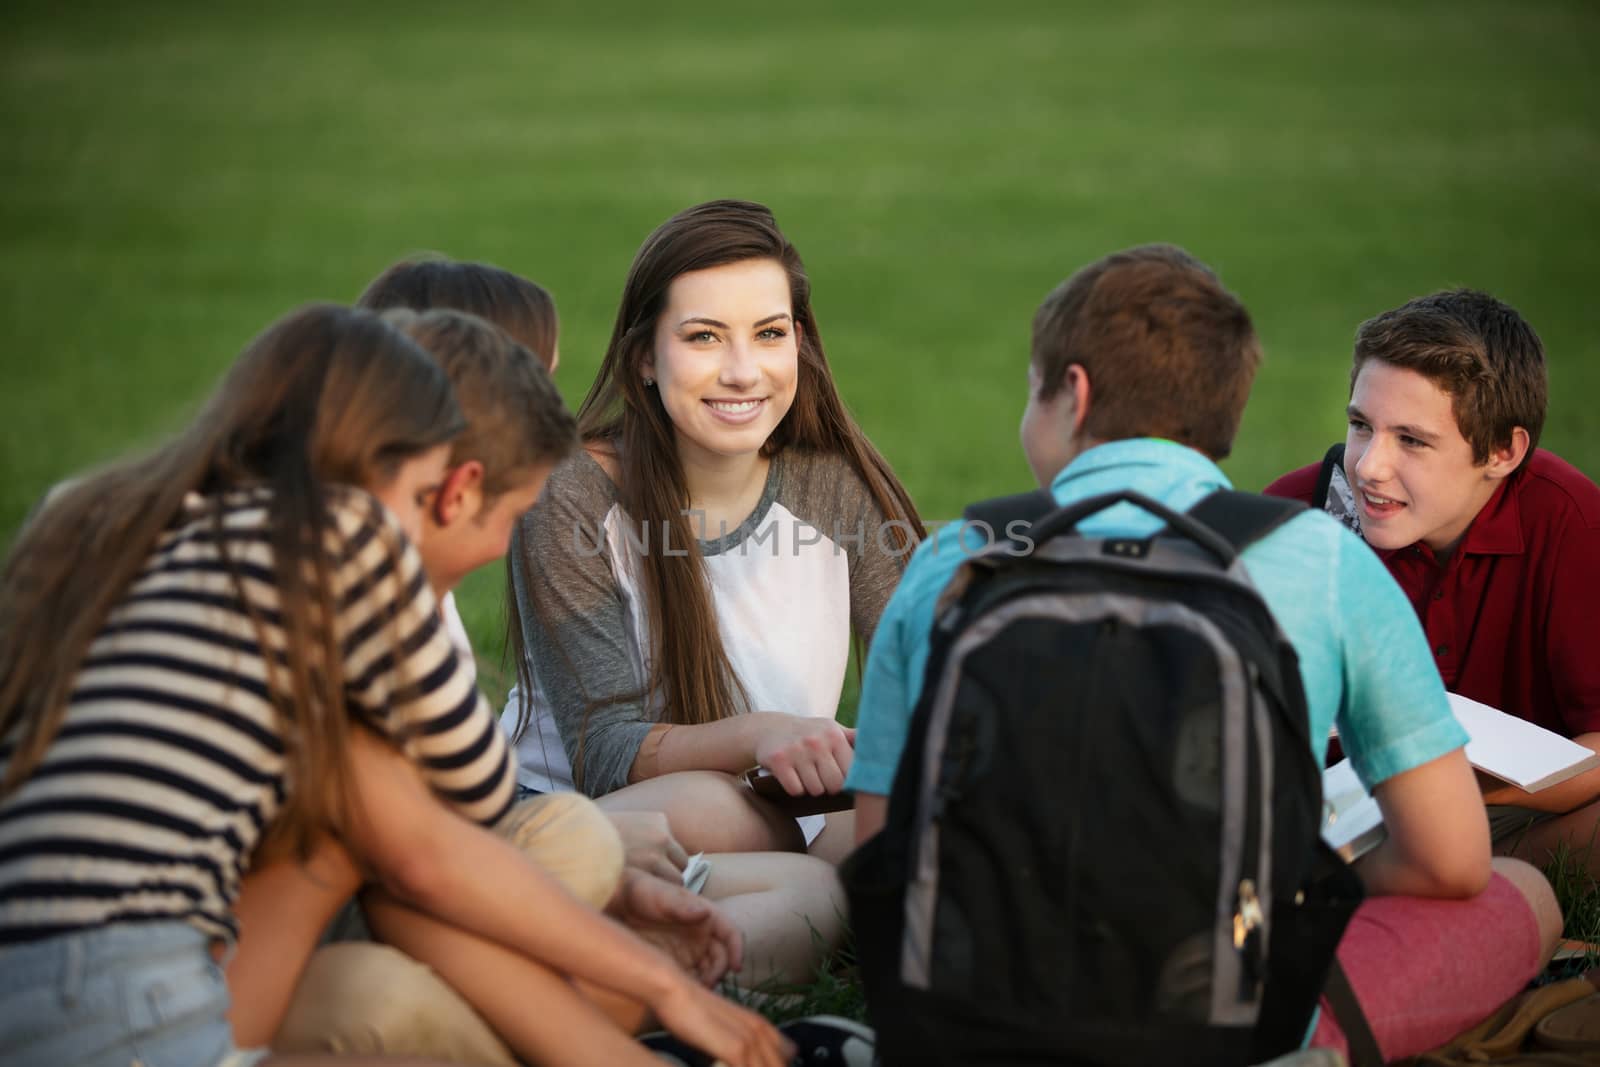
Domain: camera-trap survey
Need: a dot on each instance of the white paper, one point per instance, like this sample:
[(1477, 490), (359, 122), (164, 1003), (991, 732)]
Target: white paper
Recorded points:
[(1515, 750), (1352, 823), (695, 872)]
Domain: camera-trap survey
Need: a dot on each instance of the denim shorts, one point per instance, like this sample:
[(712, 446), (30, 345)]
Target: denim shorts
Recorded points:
[(114, 996)]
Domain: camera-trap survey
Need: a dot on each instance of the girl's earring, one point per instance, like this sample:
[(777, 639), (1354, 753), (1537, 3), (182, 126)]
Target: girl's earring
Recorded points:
[(649, 382)]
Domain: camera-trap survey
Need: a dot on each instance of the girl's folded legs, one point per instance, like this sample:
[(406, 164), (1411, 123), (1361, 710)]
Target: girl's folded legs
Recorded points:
[(789, 906)]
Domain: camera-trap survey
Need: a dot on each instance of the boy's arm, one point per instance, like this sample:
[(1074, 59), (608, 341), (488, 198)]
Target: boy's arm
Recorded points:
[(888, 696), (1438, 843), (467, 877)]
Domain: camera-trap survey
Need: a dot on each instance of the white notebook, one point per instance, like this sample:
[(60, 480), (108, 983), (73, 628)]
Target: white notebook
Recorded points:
[(1511, 749), (1515, 750), (1352, 823)]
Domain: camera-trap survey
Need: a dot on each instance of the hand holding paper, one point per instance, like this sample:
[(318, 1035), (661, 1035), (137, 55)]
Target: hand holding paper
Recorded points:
[(1503, 747)]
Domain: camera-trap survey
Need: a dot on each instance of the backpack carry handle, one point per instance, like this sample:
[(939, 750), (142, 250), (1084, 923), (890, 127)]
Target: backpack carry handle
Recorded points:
[(1069, 517)]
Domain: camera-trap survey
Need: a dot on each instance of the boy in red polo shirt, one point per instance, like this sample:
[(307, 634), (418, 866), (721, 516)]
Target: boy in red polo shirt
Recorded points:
[(1495, 542)]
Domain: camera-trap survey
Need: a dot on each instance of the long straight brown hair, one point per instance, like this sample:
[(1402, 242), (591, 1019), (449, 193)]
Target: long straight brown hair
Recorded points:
[(327, 396), (690, 669)]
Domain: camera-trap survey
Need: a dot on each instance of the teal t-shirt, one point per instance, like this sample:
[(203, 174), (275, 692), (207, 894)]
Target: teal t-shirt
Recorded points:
[(1364, 659)]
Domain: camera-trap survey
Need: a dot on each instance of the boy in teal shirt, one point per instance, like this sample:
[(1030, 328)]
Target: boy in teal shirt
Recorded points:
[(1141, 366)]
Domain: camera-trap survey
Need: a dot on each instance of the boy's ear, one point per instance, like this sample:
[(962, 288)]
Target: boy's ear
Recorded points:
[(1505, 460), (458, 493), (1076, 385)]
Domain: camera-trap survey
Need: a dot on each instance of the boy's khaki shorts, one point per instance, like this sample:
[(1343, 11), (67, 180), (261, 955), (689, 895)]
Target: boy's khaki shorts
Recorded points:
[(361, 997), (1507, 820)]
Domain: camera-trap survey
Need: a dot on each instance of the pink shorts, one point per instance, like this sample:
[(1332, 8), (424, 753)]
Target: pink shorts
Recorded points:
[(1425, 970)]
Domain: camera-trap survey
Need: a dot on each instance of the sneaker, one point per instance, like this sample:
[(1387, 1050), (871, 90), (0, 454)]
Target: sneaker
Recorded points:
[(819, 1041), (830, 1041)]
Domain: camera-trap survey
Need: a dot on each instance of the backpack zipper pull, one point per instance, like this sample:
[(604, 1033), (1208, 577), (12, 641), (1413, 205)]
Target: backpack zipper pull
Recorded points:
[(1248, 917), (1247, 938)]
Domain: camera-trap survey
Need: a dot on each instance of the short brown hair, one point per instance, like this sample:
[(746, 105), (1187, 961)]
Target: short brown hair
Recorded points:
[(522, 308), (1168, 351), (1475, 348), (515, 418)]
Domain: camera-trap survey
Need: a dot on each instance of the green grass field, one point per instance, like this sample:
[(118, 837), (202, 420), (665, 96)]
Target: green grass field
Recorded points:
[(175, 176)]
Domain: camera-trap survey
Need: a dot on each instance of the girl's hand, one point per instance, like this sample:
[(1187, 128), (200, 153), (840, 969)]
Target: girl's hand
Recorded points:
[(808, 755), (688, 928), (722, 1029), (648, 844)]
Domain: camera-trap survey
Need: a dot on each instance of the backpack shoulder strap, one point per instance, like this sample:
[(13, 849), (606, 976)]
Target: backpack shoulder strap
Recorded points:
[(1333, 460), (1364, 1051), (998, 513), (1242, 519)]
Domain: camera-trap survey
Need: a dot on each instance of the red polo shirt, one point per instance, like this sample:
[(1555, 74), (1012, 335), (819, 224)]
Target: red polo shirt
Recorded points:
[(1514, 614)]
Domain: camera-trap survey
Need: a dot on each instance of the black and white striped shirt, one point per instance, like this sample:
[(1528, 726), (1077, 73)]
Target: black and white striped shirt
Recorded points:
[(169, 763)]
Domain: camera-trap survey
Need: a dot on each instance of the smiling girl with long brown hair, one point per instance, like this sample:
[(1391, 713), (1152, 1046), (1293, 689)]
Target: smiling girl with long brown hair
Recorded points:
[(689, 585)]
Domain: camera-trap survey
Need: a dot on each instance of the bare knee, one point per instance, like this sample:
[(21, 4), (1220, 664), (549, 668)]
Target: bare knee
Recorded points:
[(825, 905), (1541, 898), (792, 888), (710, 812), (790, 907)]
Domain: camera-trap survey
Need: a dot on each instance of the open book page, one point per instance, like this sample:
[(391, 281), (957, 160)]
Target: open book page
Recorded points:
[(1352, 824), (1515, 750)]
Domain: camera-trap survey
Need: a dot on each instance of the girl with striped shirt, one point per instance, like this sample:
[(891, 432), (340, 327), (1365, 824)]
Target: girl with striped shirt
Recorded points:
[(226, 652)]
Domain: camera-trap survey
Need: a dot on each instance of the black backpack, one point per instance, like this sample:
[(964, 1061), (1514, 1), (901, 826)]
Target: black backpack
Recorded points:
[(1103, 842)]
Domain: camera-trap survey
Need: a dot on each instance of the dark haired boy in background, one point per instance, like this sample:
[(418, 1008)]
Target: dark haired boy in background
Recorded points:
[(1495, 541)]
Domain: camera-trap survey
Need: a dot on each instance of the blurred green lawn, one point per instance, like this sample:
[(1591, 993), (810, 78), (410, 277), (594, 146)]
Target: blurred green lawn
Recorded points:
[(175, 176)]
